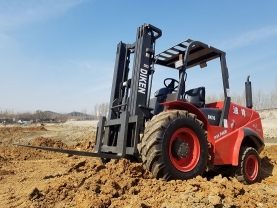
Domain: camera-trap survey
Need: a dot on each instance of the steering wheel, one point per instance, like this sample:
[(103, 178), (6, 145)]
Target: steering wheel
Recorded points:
[(171, 84)]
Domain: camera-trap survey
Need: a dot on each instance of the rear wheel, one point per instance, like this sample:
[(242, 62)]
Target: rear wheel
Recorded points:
[(248, 169), (174, 146)]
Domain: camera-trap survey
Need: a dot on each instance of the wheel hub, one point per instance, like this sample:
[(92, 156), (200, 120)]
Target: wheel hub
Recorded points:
[(180, 149)]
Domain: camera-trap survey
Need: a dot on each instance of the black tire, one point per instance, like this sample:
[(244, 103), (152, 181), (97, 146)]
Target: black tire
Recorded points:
[(248, 170), (164, 136)]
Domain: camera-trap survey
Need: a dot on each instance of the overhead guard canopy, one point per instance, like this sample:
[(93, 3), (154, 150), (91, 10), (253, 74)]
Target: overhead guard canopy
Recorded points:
[(199, 53)]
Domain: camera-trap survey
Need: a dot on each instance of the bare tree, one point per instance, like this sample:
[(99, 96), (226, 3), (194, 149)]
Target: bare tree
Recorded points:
[(101, 109), (84, 112)]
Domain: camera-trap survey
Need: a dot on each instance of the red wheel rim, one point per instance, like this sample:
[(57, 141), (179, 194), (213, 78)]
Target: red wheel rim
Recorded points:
[(190, 161), (251, 167)]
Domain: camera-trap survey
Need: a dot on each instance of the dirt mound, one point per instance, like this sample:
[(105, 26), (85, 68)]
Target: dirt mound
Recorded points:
[(22, 153), (8, 135), (88, 183), (270, 152), (269, 118), (85, 146), (5, 131), (48, 142), (34, 129), (38, 178)]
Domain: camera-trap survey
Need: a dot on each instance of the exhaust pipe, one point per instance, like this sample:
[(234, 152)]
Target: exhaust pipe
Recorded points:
[(248, 93)]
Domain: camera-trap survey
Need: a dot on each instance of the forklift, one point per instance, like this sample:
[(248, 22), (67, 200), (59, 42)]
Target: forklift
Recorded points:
[(175, 134)]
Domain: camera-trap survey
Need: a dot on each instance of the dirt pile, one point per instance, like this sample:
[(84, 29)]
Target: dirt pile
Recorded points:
[(87, 183), (37, 178), (6, 131), (47, 142), (269, 122), (10, 134)]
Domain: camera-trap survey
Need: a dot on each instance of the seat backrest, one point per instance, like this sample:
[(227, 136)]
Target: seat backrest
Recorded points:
[(196, 96)]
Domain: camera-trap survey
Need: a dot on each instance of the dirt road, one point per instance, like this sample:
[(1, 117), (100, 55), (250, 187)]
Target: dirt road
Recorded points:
[(36, 178)]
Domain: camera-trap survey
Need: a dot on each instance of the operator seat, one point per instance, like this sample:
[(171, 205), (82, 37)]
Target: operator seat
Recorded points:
[(196, 97), (163, 91), (160, 97)]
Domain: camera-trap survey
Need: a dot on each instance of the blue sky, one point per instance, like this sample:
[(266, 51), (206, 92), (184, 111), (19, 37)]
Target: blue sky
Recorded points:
[(59, 54)]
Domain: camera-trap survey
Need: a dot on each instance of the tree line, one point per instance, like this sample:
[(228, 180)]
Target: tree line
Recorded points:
[(10, 116), (261, 100)]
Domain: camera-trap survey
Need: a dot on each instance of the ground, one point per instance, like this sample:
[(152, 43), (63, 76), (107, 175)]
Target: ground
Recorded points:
[(37, 178)]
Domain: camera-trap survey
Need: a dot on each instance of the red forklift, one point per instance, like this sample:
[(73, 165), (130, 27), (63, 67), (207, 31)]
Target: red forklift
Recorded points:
[(175, 134)]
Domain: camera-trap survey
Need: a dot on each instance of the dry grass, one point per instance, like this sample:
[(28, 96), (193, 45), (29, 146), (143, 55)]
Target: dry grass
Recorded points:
[(261, 99)]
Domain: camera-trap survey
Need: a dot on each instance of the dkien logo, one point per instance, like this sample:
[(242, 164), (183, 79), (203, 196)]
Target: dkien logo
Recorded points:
[(142, 81)]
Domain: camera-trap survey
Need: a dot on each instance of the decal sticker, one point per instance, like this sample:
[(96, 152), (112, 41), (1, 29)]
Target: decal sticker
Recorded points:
[(255, 126), (220, 134), (233, 124), (235, 110), (142, 81), (243, 112), (146, 66), (211, 117)]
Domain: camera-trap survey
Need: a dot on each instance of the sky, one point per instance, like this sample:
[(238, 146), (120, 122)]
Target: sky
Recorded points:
[(59, 55)]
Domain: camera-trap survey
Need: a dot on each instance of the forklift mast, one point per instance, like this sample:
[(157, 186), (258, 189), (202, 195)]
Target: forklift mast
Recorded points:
[(118, 133)]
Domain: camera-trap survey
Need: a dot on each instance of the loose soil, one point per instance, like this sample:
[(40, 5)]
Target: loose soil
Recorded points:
[(38, 178)]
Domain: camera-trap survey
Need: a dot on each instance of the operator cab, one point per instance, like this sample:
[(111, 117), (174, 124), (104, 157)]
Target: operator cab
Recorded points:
[(195, 96), (179, 59)]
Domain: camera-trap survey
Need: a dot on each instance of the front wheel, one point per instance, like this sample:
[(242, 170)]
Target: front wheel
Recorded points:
[(174, 146), (249, 167)]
